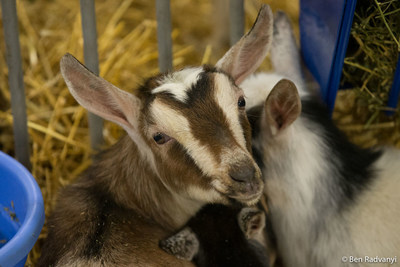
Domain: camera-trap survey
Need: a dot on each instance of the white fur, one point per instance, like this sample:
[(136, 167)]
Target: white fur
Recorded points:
[(294, 165), (228, 103), (374, 220), (285, 55), (179, 82), (258, 86)]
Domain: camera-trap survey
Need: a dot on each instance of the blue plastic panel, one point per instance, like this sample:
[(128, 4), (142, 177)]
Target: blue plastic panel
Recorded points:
[(324, 34), (395, 90)]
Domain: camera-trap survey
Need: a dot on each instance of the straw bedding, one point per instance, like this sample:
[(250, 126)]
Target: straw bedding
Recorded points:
[(368, 71), (57, 125)]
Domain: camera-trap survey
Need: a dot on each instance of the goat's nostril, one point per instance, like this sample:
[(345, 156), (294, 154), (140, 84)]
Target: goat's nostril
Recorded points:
[(243, 174)]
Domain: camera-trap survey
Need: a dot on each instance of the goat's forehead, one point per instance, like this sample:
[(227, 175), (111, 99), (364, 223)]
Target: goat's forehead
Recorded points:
[(189, 83), (195, 94), (177, 84)]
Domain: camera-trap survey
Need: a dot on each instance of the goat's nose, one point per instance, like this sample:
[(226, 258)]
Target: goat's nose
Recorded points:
[(243, 174)]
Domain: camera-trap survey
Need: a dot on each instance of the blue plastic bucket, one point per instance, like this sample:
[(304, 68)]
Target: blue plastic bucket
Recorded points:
[(21, 212)]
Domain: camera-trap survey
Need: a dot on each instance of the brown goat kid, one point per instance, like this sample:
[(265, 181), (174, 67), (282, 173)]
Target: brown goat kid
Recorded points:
[(188, 144)]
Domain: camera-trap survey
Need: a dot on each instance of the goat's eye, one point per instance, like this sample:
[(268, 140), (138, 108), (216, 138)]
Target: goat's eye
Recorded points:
[(241, 102), (161, 138)]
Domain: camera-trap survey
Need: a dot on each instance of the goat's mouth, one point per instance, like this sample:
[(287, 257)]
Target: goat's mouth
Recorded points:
[(245, 193), (247, 199)]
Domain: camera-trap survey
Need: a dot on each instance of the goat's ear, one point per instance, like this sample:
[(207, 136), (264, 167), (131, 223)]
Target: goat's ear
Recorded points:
[(99, 96), (247, 54), (252, 222), (282, 106), (284, 54), (183, 245)]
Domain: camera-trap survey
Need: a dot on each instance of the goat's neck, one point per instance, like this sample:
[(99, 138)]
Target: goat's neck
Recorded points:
[(294, 166), (133, 183)]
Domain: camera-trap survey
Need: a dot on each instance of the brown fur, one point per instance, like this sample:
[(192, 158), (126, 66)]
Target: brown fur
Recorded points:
[(116, 213), (109, 213), (139, 191)]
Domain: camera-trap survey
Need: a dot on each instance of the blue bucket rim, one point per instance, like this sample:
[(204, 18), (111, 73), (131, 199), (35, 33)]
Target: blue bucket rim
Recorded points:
[(18, 247)]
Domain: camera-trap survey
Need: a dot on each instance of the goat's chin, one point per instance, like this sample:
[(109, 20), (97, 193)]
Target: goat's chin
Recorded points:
[(244, 199), (248, 194), (245, 193), (248, 201)]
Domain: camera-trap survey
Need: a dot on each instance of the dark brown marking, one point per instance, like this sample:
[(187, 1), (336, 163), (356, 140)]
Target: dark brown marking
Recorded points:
[(207, 120)]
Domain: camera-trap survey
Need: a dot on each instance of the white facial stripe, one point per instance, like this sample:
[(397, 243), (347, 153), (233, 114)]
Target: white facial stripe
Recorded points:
[(177, 125), (179, 82), (227, 100), (178, 90)]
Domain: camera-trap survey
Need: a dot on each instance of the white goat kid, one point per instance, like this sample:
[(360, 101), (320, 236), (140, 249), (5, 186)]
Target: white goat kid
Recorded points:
[(331, 203)]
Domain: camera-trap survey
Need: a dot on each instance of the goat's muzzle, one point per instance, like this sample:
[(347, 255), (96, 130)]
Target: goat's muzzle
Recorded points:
[(243, 174), (246, 185)]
